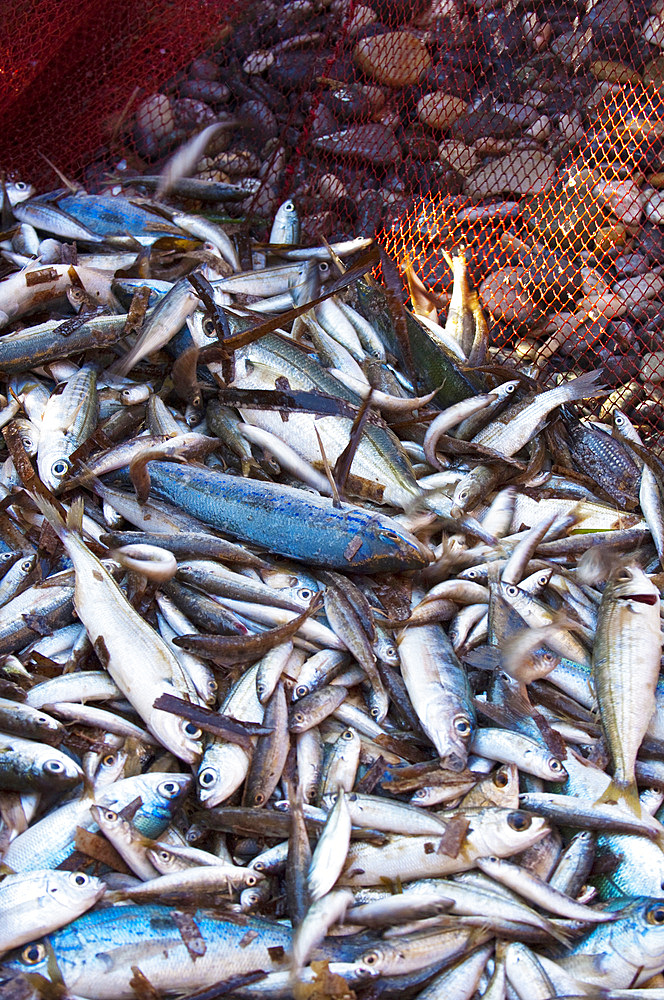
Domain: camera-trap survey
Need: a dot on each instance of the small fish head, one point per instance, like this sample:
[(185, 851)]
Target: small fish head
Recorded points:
[(453, 752), (131, 395), (55, 473), (630, 583), (76, 891), (105, 818), (649, 924), (249, 898), (32, 958), (466, 496), (557, 769), (164, 860), (18, 191), (505, 832), (61, 770), (221, 772), (636, 937), (404, 546), (159, 793), (503, 787), (180, 736), (26, 565), (385, 648)]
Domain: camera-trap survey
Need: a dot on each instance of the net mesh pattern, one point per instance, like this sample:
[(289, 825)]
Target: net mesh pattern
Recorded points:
[(528, 134)]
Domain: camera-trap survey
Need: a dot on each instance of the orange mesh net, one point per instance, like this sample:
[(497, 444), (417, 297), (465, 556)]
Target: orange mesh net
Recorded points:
[(530, 134)]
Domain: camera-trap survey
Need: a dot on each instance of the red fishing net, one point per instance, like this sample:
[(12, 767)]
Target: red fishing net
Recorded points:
[(529, 134)]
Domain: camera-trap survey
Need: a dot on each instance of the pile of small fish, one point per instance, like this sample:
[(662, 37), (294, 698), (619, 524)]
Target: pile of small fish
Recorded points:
[(330, 647)]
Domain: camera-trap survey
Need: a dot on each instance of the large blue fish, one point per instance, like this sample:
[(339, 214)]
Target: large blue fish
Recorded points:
[(290, 521)]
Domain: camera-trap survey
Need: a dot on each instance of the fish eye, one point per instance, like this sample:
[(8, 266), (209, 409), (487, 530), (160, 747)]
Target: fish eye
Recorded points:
[(54, 766), (207, 777), (323, 267), (191, 730), (519, 821), (60, 468), (549, 657), (109, 815), (556, 765), (33, 953), (374, 712), (259, 798), (511, 590), (347, 734), (501, 779), (79, 879), (26, 566), (624, 574), (371, 958), (109, 759), (289, 206), (299, 718), (209, 327), (251, 880), (301, 690), (20, 185), (388, 533), (655, 915), (305, 593), (462, 725), (168, 789)]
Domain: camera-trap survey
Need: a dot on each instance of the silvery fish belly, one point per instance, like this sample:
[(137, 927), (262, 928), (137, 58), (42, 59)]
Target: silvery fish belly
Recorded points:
[(380, 460)]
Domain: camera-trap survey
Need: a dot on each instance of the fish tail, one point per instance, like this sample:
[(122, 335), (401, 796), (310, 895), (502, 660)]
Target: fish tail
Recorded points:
[(75, 516), (588, 385), (622, 793), (561, 934), (51, 513)]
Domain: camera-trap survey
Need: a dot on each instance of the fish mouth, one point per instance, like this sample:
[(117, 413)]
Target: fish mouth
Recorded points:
[(650, 599), (454, 761)]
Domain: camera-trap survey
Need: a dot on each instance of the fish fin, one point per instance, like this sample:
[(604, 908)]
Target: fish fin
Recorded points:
[(584, 967), (75, 516), (626, 794)]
